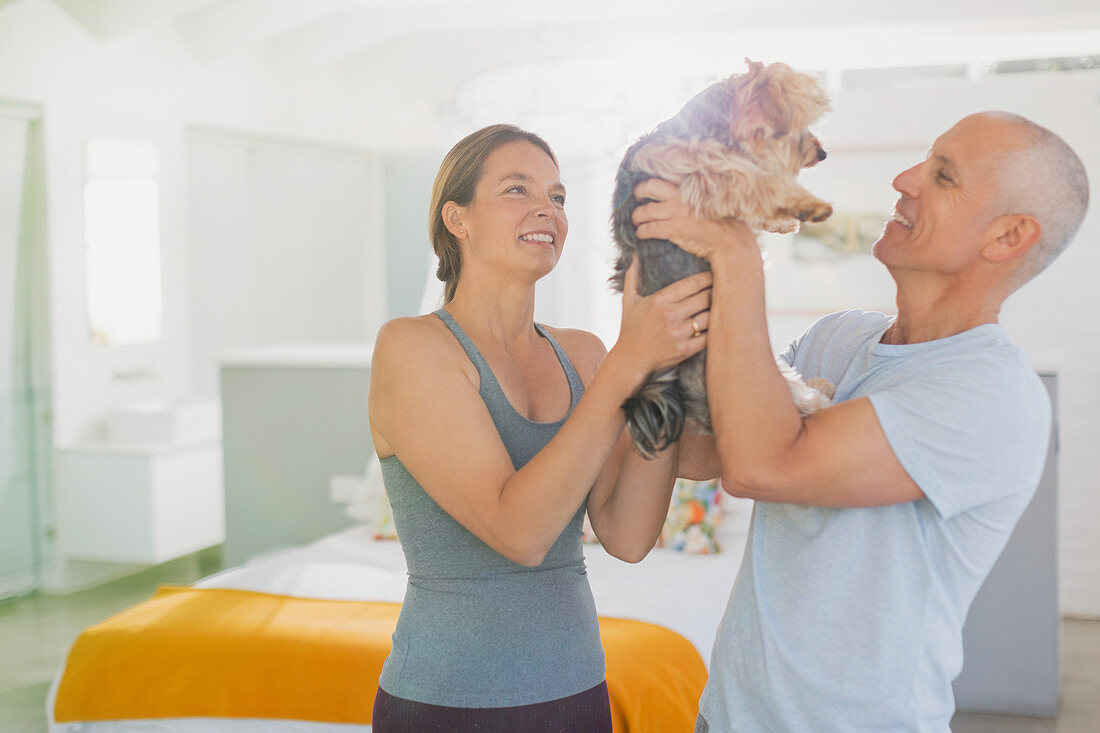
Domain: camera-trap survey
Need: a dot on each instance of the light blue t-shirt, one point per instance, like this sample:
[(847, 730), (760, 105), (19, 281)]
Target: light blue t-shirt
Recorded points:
[(851, 619)]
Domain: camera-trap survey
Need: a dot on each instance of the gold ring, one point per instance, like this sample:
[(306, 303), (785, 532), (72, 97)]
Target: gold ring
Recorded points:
[(695, 329)]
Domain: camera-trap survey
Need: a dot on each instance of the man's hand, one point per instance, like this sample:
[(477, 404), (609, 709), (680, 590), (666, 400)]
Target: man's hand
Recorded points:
[(666, 216)]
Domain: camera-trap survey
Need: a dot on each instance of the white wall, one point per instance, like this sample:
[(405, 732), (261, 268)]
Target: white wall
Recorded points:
[(408, 187), (285, 246), (146, 86)]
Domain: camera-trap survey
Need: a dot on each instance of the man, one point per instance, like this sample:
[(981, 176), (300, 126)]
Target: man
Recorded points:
[(877, 518)]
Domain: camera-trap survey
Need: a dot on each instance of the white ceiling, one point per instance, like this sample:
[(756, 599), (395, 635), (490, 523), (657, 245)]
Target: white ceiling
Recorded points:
[(311, 34), (469, 57)]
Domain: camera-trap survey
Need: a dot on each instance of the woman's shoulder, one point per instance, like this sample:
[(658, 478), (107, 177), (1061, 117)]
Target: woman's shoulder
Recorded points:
[(583, 348), (409, 331), (403, 343)]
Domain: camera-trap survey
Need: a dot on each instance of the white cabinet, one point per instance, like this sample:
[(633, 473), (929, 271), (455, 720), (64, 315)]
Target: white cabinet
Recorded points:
[(142, 503)]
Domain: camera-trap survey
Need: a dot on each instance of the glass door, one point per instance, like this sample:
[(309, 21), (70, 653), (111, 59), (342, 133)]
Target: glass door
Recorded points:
[(22, 340)]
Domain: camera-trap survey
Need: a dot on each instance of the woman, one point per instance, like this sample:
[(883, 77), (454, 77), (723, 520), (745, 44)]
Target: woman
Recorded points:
[(495, 434)]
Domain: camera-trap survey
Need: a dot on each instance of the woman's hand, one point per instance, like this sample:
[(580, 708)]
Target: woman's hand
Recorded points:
[(666, 327), (668, 217)]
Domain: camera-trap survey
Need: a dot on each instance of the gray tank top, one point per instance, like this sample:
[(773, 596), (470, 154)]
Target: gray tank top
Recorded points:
[(476, 629)]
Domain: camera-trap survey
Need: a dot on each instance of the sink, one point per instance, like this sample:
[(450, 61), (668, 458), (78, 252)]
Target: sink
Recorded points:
[(164, 421)]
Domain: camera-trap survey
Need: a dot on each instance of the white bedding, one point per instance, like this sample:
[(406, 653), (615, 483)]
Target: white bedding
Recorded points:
[(685, 593)]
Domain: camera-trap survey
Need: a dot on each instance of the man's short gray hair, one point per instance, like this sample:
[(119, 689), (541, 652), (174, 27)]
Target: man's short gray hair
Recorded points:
[(1046, 179)]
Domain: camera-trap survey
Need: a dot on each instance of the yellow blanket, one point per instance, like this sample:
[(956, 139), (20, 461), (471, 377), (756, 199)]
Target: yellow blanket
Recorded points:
[(218, 652)]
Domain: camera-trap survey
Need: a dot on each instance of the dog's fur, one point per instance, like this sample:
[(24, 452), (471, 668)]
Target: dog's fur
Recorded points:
[(734, 150)]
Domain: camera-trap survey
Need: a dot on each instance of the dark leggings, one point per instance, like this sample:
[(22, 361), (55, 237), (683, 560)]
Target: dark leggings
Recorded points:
[(585, 712)]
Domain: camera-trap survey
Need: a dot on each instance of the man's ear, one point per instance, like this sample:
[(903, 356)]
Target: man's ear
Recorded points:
[(1010, 236), (452, 219)]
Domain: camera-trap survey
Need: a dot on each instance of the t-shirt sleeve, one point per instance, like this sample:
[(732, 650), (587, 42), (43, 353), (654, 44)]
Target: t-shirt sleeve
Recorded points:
[(788, 354), (968, 432), (826, 325), (822, 344)]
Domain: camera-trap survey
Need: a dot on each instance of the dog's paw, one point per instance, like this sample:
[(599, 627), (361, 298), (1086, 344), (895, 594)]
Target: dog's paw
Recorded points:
[(808, 395), (824, 386), (813, 211), (782, 224)]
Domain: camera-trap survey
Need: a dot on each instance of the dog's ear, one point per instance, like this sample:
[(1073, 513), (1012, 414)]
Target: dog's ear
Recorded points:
[(773, 100), (750, 120), (792, 99)]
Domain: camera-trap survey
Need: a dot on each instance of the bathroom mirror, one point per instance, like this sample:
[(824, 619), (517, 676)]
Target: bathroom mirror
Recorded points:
[(122, 241)]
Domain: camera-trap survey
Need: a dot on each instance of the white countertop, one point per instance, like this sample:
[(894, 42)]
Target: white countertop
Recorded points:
[(301, 355), (116, 447)]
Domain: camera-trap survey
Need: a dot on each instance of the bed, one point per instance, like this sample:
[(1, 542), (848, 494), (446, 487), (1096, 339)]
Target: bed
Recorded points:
[(677, 595)]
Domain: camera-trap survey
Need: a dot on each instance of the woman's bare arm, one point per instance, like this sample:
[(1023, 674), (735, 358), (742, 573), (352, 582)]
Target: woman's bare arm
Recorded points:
[(426, 410)]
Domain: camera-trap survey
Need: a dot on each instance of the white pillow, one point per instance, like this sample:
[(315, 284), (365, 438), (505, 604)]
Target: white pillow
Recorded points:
[(370, 504)]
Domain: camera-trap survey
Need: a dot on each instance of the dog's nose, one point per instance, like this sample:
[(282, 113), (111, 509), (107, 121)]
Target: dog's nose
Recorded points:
[(820, 154)]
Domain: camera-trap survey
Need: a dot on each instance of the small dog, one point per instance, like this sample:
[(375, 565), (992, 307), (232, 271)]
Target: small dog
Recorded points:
[(734, 150)]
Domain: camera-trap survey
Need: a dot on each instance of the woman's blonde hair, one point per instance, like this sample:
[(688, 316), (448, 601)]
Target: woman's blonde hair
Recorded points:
[(457, 181)]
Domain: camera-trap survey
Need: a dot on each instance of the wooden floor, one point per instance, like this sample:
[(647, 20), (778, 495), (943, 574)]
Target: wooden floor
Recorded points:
[(36, 633)]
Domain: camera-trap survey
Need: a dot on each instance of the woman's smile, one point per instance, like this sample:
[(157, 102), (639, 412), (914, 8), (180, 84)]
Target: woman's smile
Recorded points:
[(542, 238)]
